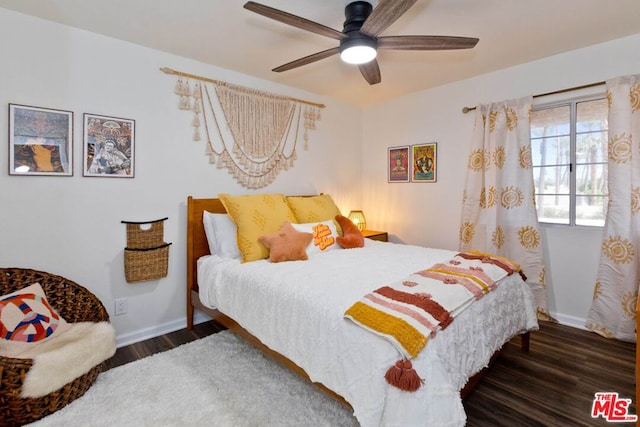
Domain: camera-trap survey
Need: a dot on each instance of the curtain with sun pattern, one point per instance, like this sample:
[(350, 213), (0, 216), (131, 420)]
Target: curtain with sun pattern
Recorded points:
[(498, 211), (613, 310)]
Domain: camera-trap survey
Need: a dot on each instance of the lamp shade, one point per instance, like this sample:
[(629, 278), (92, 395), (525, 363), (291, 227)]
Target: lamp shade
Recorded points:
[(357, 217)]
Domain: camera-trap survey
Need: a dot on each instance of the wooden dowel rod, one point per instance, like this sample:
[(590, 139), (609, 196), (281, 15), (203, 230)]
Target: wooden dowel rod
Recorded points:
[(167, 70)]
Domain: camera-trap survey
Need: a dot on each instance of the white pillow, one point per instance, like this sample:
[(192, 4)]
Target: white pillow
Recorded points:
[(222, 235), (324, 236)]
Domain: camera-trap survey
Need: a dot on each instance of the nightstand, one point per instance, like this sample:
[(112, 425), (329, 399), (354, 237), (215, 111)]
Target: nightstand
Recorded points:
[(382, 236)]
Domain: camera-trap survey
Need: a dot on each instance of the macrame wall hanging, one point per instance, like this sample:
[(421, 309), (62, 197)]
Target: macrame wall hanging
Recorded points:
[(253, 134)]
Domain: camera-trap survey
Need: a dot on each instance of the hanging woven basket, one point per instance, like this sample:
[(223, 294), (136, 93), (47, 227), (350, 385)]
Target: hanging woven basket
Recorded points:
[(146, 256)]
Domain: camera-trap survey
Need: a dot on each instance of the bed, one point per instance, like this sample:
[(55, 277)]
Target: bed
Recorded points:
[(294, 311)]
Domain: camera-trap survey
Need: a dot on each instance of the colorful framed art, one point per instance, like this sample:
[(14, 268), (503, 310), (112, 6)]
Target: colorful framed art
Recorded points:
[(109, 146), (398, 164), (424, 162), (40, 141)]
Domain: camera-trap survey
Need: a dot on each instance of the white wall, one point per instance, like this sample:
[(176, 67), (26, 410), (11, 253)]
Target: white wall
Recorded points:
[(429, 214), (71, 225)]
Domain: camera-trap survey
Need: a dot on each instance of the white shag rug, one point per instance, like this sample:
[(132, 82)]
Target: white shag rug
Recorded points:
[(219, 380)]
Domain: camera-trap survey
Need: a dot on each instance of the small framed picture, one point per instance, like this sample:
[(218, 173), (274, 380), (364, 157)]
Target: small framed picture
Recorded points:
[(40, 141), (424, 162), (398, 164), (109, 146)]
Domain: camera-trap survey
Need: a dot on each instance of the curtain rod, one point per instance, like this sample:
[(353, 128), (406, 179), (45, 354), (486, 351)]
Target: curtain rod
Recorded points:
[(167, 70), (465, 110)]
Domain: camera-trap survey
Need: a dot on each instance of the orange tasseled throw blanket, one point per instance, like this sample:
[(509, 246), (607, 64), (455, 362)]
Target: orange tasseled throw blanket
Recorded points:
[(410, 312)]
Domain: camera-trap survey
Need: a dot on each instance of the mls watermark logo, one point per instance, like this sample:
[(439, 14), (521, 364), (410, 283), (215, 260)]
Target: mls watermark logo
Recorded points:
[(612, 408)]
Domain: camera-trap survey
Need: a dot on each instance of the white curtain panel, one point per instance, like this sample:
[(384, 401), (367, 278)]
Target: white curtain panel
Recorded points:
[(498, 212), (613, 311)]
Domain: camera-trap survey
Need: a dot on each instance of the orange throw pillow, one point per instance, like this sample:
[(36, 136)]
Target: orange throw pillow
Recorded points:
[(352, 237), (287, 244)]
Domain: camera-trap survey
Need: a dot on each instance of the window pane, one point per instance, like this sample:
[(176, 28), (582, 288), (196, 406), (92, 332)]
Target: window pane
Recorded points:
[(591, 210), (591, 115), (551, 179), (550, 151), (553, 208), (591, 179), (550, 121), (569, 156), (591, 147)]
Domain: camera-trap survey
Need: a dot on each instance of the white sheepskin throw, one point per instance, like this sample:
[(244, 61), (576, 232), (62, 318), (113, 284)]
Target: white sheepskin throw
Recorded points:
[(72, 352)]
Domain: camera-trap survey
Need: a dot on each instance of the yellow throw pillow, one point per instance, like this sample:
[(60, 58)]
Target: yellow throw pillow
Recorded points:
[(314, 209), (255, 216)]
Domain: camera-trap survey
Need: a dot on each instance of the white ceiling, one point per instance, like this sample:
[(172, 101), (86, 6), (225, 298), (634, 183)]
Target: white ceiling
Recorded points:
[(223, 33)]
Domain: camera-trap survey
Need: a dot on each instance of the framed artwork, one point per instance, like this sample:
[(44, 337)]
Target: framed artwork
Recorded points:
[(398, 164), (424, 162), (109, 146), (40, 141)]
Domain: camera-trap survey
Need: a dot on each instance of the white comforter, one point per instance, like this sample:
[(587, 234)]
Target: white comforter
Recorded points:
[(296, 308)]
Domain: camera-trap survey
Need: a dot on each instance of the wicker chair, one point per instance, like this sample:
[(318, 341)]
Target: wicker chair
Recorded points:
[(75, 304)]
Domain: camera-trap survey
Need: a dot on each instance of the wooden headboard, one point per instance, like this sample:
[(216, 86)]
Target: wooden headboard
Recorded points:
[(197, 245)]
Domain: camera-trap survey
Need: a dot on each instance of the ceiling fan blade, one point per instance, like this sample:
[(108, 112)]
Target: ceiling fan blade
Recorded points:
[(426, 42), (293, 20), (371, 72), (307, 60), (385, 13)]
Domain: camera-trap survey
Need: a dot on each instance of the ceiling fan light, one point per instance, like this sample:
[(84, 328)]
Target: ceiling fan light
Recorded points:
[(358, 49), (358, 54)]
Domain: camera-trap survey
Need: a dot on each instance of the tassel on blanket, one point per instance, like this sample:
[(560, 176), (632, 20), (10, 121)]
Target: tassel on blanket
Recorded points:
[(403, 376)]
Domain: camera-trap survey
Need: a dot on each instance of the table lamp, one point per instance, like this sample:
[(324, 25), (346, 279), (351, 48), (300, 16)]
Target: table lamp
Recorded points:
[(357, 217)]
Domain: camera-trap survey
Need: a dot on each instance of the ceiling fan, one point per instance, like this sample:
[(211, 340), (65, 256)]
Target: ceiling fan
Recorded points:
[(359, 39)]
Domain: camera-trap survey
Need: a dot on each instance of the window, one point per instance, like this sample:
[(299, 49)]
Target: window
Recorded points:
[(569, 155)]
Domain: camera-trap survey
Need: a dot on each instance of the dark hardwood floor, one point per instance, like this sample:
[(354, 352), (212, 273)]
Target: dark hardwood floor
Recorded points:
[(162, 343), (552, 385)]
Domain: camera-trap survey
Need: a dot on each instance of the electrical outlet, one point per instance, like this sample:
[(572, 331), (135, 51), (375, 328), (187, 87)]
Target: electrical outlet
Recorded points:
[(121, 305)]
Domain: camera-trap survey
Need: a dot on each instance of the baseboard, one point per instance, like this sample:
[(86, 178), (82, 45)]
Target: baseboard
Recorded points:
[(156, 331), (574, 322)]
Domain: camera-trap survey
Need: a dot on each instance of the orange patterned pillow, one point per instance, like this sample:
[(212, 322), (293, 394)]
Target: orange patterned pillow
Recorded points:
[(352, 237), (288, 244), (26, 315), (324, 236)]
